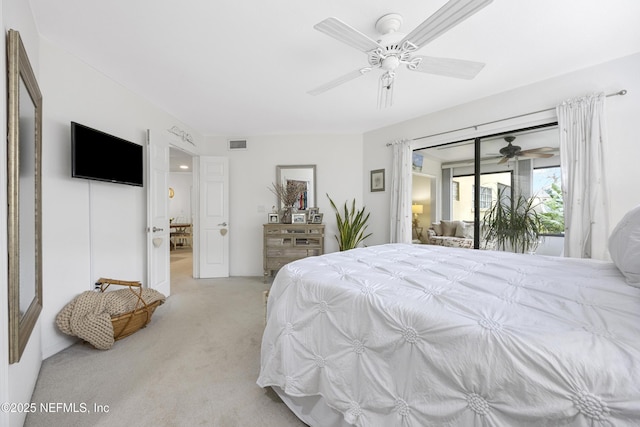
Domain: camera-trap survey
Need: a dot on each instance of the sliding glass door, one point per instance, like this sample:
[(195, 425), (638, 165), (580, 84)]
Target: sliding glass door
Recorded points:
[(500, 191)]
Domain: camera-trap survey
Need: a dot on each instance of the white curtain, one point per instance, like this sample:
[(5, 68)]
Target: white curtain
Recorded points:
[(401, 192), (581, 122)]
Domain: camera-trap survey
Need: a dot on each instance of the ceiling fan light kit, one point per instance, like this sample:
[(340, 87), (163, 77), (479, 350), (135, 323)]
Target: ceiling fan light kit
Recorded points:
[(393, 49)]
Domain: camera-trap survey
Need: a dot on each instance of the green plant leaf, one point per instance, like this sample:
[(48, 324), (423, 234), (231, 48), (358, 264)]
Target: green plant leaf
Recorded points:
[(351, 224), (512, 221)]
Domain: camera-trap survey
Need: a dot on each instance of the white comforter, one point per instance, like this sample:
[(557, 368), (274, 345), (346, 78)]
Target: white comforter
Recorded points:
[(421, 335)]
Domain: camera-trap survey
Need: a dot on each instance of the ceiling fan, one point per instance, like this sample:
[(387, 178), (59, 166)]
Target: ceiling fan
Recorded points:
[(510, 151), (393, 49)]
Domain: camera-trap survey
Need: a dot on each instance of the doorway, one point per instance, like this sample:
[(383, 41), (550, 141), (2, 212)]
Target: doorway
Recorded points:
[(181, 214)]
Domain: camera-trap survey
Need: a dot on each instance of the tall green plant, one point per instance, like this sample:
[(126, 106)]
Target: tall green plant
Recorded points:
[(512, 223), (351, 226)]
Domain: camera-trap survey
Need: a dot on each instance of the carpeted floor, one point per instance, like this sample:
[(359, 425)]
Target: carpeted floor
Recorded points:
[(194, 365)]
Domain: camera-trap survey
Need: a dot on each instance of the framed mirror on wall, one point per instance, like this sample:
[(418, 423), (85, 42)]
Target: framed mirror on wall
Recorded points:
[(299, 173), (24, 196)]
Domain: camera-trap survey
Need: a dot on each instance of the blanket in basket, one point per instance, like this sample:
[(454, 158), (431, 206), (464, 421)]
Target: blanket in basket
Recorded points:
[(88, 316)]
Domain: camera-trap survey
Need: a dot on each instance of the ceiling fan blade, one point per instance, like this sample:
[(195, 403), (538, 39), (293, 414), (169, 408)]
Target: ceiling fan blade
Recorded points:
[(503, 160), (534, 155), (340, 80), (457, 68), (539, 150), (445, 18), (346, 34)]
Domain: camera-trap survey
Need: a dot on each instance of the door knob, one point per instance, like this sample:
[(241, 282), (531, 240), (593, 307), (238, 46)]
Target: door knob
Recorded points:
[(224, 224)]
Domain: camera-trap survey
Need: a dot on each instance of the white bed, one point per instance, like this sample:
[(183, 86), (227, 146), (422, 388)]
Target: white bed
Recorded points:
[(422, 335)]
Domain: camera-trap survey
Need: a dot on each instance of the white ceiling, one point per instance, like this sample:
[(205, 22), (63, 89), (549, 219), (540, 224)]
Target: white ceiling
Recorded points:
[(243, 67)]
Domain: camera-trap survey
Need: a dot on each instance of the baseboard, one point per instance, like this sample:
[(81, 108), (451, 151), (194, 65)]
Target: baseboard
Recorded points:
[(59, 346)]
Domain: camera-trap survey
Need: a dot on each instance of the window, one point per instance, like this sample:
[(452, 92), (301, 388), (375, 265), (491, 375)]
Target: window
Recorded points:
[(455, 190), (547, 187), (486, 196)]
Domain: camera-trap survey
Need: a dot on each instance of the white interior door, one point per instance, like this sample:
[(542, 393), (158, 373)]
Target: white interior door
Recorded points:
[(214, 217), (158, 273)]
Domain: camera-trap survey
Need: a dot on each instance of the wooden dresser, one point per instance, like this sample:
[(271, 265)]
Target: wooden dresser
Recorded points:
[(284, 243)]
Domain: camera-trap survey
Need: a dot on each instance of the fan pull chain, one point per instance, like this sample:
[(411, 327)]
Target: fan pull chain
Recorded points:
[(385, 89)]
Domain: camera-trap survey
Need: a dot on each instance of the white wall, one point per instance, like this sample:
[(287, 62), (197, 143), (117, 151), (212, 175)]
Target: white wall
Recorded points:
[(622, 113), (338, 160), (421, 195), (90, 229)]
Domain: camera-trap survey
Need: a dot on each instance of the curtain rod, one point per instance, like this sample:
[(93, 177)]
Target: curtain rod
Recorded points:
[(618, 93)]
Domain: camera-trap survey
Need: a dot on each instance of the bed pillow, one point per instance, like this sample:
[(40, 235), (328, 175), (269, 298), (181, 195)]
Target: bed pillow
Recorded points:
[(437, 227), (449, 228), (624, 246)]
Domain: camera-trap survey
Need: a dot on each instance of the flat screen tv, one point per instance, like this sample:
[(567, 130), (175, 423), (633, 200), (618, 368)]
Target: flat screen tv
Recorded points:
[(99, 156)]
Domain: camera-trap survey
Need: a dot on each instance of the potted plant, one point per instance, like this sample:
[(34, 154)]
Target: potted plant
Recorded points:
[(512, 223), (351, 227), (289, 194)]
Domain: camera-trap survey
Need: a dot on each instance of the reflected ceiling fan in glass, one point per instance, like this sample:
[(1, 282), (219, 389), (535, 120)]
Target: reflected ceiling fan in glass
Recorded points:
[(510, 151), (394, 49)]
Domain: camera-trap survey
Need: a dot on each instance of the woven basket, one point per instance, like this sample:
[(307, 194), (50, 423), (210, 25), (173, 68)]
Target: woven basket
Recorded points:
[(129, 323)]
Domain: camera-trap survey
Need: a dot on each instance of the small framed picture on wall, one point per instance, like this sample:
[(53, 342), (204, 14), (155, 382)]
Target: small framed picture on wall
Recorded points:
[(377, 180)]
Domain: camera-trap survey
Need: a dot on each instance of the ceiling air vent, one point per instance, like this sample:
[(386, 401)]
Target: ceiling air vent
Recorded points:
[(237, 144)]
